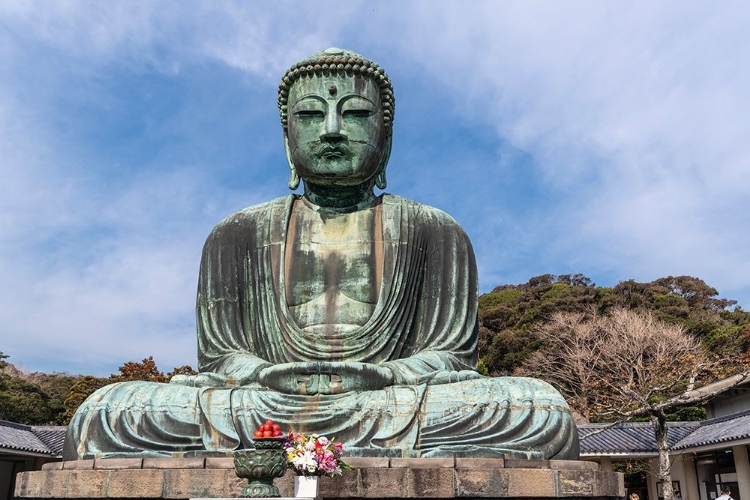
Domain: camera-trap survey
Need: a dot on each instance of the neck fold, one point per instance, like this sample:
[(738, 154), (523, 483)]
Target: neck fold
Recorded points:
[(341, 198)]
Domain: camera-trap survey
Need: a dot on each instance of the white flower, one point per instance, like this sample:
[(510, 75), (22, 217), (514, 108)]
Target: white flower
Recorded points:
[(305, 462), (323, 440)]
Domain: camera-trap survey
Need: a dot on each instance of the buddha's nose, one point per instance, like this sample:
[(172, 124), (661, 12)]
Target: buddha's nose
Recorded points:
[(333, 128)]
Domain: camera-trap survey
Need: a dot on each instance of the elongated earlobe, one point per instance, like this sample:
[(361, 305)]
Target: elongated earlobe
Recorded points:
[(293, 175), (380, 180), (293, 178)]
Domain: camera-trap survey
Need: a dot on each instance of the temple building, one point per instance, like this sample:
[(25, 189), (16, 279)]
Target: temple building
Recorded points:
[(24, 448), (705, 455)]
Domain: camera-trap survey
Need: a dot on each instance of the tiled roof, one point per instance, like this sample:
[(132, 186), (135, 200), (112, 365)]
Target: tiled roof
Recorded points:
[(46, 440), (52, 436), (629, 438), (718, 430)]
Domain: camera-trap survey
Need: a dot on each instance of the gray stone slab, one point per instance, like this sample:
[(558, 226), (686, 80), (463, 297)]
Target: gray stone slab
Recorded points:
[(86, 484), (174, 463), (532, 483), (514, 463), (480, 463), (423, 463), (219, 463), (429, 483), (573, 465), (382, 483), (373, 482), (363, 463), (124, 483), (77, 464), (481, 483), (344, 486), (188, 483), (118, 463)]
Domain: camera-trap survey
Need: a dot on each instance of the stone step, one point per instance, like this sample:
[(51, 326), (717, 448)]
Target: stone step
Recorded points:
[(372, 478)]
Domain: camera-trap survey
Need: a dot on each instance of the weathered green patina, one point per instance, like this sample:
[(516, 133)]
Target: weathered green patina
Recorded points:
[(337, 312)]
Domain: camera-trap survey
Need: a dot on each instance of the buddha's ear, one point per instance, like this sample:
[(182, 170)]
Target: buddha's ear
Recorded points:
[(380, 180), (293, 175)]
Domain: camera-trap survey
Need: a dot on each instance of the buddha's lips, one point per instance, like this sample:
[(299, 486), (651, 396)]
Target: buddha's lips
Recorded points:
[(338, 151)]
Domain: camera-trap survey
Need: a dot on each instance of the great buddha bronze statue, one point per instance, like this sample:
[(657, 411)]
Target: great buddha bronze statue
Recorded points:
[(340, 312)]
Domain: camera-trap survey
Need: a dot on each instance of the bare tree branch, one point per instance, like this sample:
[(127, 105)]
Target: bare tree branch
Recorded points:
[(625, 365)]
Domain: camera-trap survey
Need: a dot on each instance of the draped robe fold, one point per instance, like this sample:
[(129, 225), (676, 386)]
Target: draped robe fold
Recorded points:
[(424, 327)]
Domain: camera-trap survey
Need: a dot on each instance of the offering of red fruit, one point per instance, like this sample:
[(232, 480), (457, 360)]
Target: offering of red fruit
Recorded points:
[(268, 430)]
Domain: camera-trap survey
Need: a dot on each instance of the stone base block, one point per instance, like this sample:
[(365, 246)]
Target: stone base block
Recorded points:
[(381, 477)]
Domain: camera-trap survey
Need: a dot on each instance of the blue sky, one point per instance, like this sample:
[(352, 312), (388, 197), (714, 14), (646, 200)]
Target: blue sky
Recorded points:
[(606, 138)]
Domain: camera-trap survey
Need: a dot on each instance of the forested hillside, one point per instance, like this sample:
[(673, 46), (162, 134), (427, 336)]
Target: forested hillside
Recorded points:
[(510, 314), (514, 321), (52, 398)]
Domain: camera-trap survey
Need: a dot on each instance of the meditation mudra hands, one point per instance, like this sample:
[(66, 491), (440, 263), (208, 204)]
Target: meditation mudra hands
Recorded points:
[(306, 378), (312, 378)]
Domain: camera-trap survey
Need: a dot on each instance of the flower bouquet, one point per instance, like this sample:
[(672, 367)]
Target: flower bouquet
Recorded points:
[(313, 455)]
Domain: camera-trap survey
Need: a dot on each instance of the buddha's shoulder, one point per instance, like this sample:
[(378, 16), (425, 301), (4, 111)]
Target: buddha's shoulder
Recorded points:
[(260, 215), (424, 215)]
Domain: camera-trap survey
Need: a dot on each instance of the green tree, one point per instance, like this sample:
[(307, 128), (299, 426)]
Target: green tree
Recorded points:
[(82, 388), (53, 398), (26, 403), (509, 314)]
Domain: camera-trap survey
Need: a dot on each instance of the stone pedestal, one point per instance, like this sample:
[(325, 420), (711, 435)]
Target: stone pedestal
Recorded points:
[(372, 478)]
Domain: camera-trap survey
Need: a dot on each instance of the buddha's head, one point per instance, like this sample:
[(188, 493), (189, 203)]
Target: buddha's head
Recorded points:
[(337, 112)]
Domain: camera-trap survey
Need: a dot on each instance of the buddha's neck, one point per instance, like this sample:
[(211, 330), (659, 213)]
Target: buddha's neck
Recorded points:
[(341, 198)]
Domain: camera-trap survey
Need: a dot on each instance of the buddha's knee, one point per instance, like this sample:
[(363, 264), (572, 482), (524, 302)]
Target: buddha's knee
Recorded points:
[(511, 391), (537, 390), (138, 396)]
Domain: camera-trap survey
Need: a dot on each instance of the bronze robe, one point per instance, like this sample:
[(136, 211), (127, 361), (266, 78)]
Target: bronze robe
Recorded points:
[(424, 327)]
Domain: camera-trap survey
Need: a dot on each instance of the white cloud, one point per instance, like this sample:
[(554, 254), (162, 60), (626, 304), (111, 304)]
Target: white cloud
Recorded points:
[(96, 271), (634, 114), (634, 117)]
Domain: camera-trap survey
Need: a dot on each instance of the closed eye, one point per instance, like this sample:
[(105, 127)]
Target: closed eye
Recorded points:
[(357, 113), (309, 113)]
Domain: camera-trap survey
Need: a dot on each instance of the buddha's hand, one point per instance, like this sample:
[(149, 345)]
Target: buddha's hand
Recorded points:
[(312, 378), (450, 377)]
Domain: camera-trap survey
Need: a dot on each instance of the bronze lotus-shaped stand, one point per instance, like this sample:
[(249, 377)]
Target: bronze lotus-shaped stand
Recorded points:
[(260, 466)]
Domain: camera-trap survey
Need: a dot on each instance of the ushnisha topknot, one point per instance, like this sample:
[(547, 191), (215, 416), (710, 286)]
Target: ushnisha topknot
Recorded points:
[(337, 61)]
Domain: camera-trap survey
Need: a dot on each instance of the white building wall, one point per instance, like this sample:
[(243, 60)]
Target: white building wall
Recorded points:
[(740, 401)]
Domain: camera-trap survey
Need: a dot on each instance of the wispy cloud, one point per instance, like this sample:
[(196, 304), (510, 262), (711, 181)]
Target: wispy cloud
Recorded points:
[(591, 137), (634, 117)]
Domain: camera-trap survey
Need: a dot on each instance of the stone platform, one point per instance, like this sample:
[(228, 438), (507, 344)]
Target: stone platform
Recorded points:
[(185, 478)]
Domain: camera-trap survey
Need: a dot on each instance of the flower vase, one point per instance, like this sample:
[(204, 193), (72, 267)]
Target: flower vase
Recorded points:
[(306, 486), (260, 466)]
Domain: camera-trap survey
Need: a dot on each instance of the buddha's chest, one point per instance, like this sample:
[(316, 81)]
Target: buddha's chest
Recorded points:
[(333, 266)]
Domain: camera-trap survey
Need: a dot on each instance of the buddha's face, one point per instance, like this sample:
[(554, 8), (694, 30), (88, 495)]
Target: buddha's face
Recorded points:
[(335, 132)]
